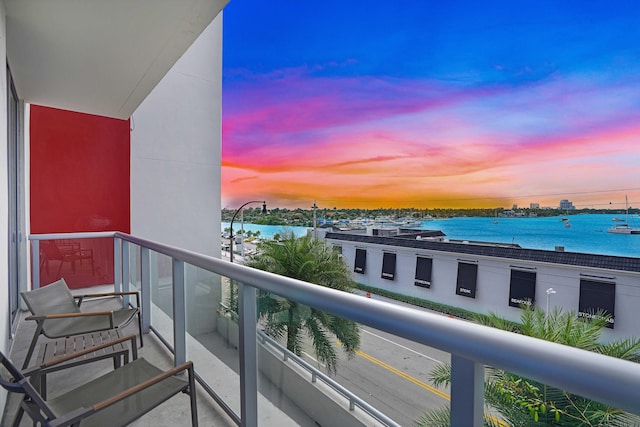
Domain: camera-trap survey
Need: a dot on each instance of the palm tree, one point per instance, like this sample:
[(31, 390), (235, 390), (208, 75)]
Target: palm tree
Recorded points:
[(525, 403), (312, 261)]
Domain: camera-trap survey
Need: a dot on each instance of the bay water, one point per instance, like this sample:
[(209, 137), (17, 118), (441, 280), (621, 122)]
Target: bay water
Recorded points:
[(587, 233)]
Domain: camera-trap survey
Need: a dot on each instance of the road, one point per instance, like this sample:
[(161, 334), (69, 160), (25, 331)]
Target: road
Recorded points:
[(391, 374)]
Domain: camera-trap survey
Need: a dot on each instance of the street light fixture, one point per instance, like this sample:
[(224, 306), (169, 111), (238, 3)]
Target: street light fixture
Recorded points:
[(231, 236), (549, 292)]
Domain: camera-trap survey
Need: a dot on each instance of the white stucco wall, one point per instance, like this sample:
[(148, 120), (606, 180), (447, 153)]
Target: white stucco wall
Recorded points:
[(176, 151), (493, 282)]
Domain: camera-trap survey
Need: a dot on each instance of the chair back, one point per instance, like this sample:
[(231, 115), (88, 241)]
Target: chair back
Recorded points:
[(55, 298), (12, 380)]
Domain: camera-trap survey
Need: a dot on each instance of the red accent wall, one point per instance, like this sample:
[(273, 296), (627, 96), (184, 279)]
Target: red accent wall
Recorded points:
[(79, 182)]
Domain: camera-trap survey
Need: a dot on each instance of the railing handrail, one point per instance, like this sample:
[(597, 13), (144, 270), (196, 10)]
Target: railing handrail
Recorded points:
[(594, 376), (82, 235)]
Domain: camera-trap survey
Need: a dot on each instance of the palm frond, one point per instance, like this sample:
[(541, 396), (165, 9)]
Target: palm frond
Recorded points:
[(627, 349), (494, 320), (440, 375), (322, 345), (526, 403), (310, 260), (434, 418)]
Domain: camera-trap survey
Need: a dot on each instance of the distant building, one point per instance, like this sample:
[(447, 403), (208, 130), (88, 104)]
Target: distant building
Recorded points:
[(485, 277), (515, 207), (511, 213), (566, 205), (534, 206)]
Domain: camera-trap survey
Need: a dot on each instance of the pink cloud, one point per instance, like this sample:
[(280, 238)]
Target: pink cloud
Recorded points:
[(402, 142)]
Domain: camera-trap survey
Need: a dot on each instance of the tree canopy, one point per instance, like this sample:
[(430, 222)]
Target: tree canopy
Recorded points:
[(310, 260), (525, 403)]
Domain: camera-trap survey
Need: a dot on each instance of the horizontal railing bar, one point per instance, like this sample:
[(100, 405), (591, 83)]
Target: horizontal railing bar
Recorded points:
[(162, 339), (225, 407), (353, 399), (605, 379), (207, 388), (84, 235)]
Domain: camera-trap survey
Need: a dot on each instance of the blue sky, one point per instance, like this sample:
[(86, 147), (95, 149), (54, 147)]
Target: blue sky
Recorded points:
[(431, 104)]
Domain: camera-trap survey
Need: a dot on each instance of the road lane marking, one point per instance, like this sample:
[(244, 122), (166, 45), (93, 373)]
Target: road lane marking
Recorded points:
[(403, 375), (401, 346), (419, 383)]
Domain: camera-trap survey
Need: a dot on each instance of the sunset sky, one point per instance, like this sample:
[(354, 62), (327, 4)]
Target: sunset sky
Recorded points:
[(431, 104)]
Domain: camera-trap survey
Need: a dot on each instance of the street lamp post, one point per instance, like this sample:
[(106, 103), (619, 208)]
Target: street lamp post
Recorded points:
[(549, 292), (232, 237)]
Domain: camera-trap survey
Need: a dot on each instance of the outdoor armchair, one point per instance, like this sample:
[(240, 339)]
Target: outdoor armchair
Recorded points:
[(114, 399), (58, 315)]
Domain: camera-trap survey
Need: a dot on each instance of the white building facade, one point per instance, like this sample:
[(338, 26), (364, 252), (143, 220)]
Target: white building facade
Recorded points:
[(484, 278)]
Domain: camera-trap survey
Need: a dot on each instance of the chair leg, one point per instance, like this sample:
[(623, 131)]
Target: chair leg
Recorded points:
[(18, 418), (43, 386), (58, 275), (140, 329), (32, 346), (192, 397)]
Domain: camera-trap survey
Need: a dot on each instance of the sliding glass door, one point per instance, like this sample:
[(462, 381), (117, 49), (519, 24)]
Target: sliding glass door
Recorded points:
[(15, 194)]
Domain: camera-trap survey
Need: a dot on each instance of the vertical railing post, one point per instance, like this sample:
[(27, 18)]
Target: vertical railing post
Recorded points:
[(179, 315), (467, 392), (117, 264), (126, 272), (248, 355), (35, 260), (145, 288)]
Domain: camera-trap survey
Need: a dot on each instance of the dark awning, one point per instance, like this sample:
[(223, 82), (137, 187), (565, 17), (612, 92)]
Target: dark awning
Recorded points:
[(522, 290), (597, 296), (361, 260), (423, 272), (467, 279), (388, 266)]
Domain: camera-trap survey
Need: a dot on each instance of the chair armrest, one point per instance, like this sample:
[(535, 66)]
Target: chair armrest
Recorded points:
[(88, 350), (41, 319), (67, 315), (80, 298), (188, 366)]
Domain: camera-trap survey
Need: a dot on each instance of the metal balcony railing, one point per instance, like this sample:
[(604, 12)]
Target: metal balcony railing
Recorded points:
[(472, 347)]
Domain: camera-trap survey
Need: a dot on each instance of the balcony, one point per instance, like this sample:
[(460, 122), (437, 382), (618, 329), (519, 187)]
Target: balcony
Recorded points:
[(247, 379)]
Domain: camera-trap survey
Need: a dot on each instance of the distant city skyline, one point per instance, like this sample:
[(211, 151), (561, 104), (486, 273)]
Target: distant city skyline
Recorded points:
[(431, 104)]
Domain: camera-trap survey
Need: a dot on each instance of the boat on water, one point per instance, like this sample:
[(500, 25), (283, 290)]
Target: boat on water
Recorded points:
[(409, 223), (616, 219), (624, 228)]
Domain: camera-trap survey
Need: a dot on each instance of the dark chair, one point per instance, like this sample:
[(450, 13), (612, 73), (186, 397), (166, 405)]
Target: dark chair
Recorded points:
[(114, 399), (58, 314)]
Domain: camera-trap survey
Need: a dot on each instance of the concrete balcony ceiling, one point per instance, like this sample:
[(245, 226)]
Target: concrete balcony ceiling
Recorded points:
[(99, 57)]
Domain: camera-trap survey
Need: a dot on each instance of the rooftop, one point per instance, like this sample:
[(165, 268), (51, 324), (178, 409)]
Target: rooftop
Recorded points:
[(500, 251)]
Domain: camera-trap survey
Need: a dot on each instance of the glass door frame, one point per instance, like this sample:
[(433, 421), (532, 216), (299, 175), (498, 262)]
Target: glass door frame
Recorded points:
[(16, 228)]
